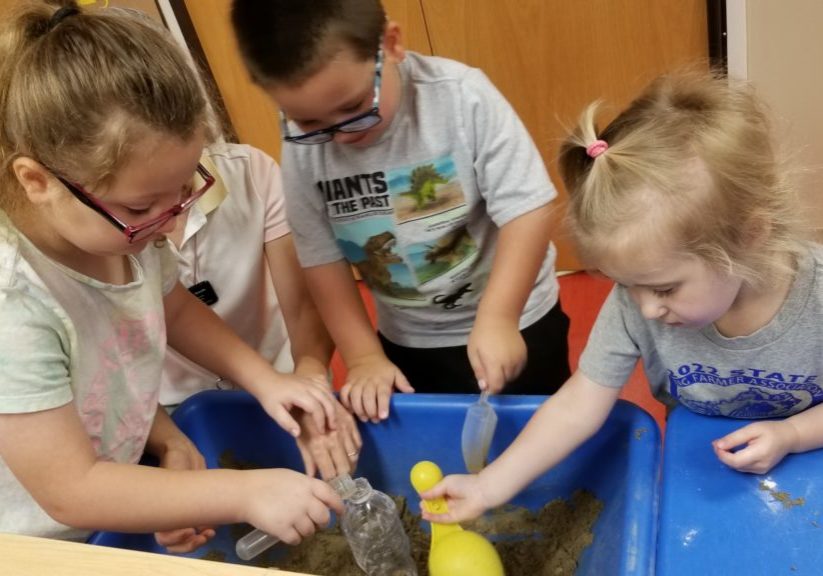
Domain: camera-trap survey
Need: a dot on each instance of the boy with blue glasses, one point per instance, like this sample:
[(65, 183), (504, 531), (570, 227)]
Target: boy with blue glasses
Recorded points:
[(420, 174)]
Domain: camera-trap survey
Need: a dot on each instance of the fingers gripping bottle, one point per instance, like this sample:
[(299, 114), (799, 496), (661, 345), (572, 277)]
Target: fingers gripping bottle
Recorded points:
[(375, 534), (257, 541)]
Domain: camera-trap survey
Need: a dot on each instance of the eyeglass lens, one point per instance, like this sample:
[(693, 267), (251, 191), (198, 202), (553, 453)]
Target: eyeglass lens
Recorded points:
[(204, 179)]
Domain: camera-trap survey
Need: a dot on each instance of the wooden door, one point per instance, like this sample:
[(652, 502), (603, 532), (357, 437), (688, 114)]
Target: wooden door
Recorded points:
[(253, 116), (552, 57)]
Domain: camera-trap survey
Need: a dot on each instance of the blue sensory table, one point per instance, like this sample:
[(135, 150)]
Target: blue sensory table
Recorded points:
[(715, 520), (620, 465)]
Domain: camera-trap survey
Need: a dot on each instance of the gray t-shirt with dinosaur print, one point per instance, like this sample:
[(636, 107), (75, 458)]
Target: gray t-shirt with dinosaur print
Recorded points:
[(418, 212), (773, 372)]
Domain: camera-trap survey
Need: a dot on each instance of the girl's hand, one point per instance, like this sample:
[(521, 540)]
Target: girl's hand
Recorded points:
[(288, 505), (369, 386), (464, 497), (183, 455), (288, 393), (497, 352), (331, 453), (758, 447)]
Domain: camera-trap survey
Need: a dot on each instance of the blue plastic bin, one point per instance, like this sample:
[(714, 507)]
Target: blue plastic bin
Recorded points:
[(619, 465), (715, 520)]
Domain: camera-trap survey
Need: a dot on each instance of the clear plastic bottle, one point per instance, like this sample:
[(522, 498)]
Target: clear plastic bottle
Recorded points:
[(375, 534)]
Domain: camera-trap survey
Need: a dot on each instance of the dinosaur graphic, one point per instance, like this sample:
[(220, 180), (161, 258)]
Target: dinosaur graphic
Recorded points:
[(451, 248), (450, 301), (379, 255), (422, 189)]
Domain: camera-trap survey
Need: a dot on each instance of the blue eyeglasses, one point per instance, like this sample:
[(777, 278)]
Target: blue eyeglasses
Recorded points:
[(358, 123)]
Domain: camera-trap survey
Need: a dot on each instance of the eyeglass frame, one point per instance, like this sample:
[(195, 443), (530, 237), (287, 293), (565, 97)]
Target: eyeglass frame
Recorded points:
[(129, 230), (374, 112)]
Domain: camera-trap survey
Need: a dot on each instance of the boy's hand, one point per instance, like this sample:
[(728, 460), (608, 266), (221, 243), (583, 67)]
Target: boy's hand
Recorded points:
[(497, 352), (288, 505), (761, 446), (288, 392), (334, 452), (464, 497), (183, 455), (369, 386)]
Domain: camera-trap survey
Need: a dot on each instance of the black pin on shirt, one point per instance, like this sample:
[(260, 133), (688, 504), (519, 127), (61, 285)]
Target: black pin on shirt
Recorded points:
[(205, 292)]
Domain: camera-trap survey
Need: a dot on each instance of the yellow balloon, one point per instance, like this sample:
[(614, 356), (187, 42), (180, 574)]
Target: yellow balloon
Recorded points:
[(424, 475), (464, 553)]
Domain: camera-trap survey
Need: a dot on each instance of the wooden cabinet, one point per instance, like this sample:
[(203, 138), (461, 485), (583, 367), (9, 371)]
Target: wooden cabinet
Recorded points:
[(548, 57)]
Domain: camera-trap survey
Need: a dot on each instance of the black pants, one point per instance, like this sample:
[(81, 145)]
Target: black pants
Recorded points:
[(448, 369)]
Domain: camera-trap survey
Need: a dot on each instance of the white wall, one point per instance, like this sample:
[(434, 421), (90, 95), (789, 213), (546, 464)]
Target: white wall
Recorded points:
[(778, 45)]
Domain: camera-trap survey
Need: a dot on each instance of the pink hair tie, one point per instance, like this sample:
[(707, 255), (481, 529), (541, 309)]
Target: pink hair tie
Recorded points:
[(596, 148)]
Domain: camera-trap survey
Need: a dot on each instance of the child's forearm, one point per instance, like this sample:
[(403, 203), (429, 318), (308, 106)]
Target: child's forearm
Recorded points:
[(312, 347), (195, 331), (129, 498), (338, 300), (567, 419), (808, 427), (77, 489), (164, 434), (521, 249), (311, 344)]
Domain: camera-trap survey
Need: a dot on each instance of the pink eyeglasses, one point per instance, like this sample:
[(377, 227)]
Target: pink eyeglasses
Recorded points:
[(138, 232)]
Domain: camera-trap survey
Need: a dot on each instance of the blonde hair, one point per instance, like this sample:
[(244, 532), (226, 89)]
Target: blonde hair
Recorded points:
[(690, 162), (77, 93)]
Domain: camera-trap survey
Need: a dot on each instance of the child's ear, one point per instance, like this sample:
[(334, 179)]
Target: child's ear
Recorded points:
[(393, 49), (757, 231), (33, 177)]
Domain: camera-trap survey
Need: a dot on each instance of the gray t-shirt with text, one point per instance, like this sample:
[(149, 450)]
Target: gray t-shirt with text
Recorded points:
[(773, 372), (418, 212)]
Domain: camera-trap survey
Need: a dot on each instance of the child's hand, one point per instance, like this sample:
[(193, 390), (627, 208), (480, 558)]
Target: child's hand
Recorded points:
[(183, 455), (288, 505), (464, 497), (497, 352), (762, 446), (334, 452), (289, 392), (369, 387), (184, 540)]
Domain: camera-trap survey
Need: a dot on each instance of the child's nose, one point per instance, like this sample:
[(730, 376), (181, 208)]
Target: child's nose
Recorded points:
[(168, 226), (347, 137), (651, 308)]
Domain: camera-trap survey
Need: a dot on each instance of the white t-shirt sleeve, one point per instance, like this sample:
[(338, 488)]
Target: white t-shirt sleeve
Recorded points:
[(35, 371)]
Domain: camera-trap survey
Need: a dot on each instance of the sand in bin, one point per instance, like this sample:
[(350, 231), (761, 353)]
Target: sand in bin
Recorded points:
[(547, 542)]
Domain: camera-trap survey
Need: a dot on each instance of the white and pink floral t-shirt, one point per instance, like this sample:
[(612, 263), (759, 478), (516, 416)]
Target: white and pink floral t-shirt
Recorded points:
[(65, 337)]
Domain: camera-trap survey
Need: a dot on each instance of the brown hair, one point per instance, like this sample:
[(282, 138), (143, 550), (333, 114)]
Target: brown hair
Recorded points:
[(690, 162), (286, 41), (79, 89)]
